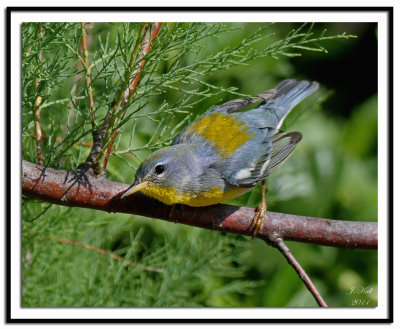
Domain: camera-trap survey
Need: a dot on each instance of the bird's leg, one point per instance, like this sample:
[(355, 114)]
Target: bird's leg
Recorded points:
[(261, 214)]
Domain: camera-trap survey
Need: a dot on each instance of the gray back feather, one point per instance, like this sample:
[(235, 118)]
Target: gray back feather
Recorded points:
[(289, 93)]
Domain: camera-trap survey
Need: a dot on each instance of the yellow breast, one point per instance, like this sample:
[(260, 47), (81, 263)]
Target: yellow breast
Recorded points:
[(214, 195)]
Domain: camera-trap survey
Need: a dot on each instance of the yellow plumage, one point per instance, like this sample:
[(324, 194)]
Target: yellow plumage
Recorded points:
[(224, 131), (169, 195)]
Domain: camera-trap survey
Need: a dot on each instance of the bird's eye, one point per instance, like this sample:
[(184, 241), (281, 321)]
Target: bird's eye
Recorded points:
[(159, 169)]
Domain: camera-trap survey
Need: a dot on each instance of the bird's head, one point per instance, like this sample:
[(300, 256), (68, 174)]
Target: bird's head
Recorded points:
[(164, 174)]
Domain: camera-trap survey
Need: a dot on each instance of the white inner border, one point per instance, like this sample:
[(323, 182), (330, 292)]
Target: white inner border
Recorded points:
[(202, 313)]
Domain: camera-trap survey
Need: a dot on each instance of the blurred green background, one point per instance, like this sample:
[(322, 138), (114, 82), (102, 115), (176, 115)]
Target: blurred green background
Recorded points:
[(331, 174)]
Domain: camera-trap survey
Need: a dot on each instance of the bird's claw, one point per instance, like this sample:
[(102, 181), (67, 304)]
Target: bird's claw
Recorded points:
[(258, 221)]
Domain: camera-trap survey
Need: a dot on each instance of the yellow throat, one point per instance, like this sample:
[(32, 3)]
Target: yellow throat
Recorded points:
[(169, 195)]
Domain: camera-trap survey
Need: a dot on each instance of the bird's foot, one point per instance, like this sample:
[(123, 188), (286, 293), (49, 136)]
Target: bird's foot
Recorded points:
[(259, 219)]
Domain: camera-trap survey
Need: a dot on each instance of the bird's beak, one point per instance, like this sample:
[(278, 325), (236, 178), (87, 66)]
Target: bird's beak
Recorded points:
[(134, 188)]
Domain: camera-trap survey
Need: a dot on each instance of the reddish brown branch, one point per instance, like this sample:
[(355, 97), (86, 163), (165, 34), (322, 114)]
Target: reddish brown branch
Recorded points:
[(71, 188)]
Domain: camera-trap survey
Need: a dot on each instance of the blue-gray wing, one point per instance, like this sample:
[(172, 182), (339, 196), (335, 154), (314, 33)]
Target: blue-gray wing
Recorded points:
[(252, 163), (261, 156)]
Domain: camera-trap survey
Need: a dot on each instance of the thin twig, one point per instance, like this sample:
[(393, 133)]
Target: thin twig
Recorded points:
[(96, 155), (144, 47), (38, 102), (103, 252), (97, 135), (88, 74), (89, 144), (127, 76), (38, 130), (109, 148), (278, 243)]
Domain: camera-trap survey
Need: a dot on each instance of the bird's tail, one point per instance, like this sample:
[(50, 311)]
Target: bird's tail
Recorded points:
[(289, 93)]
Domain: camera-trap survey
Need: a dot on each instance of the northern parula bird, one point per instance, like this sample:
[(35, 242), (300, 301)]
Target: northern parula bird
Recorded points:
[(225, 153)]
